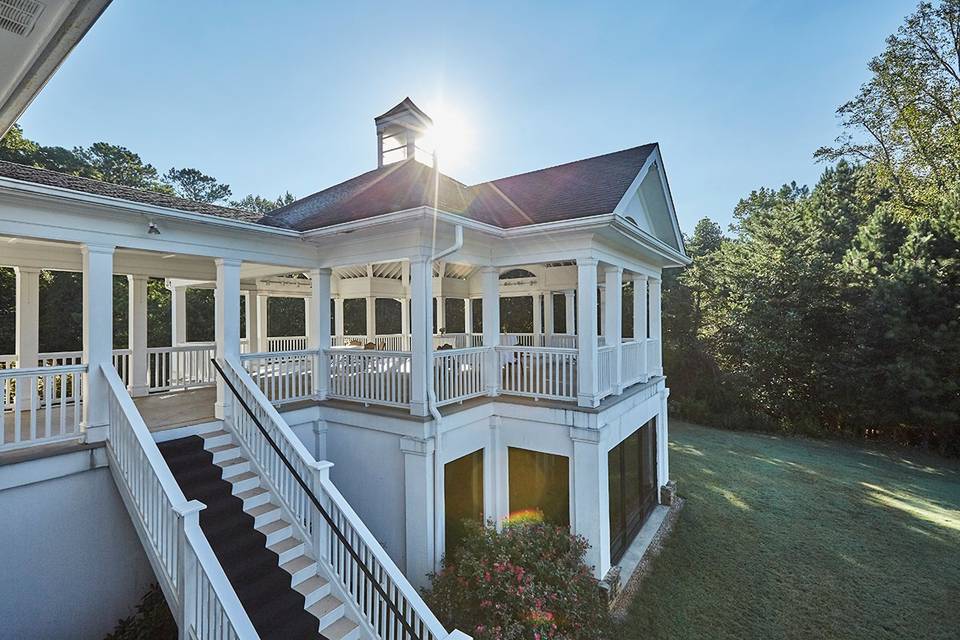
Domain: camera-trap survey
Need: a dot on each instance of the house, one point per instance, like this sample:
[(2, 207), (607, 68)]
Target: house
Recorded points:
[(284, 485)]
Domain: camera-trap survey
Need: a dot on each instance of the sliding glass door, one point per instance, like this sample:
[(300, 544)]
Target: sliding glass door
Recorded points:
[(632, 472), (463, 496)]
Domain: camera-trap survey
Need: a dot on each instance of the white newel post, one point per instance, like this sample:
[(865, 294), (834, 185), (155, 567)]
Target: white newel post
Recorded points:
[(421, 339), (537, 320), (548, 319), (27, 332), (320, 329), (227, 325), (320, 472), (371, 318), (188, 520), (490, 285), (588, 379), (419, 508), (97, 337), (640, 321), (613, 284), (655, 327), (263, 302), (569, 308), (338, 316), (137, 334)]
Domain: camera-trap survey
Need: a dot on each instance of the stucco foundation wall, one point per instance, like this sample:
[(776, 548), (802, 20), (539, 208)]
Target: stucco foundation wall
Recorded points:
[(368, 471), (71, 564)]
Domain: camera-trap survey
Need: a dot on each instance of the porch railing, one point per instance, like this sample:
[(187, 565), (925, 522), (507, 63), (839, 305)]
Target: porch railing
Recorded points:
[(199, 593), (538, 372), (182, 367), (459, 374), (391, 608), (606, 368), (371, 377), (634, 362), (282, 377), (286, 343), (40, 405)]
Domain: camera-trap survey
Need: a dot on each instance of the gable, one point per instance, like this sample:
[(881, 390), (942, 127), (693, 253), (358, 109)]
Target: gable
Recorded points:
[(648, 204)]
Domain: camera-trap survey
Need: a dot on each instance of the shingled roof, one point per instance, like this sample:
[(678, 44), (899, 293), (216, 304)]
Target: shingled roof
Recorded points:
[(100, 188), (567, 191)]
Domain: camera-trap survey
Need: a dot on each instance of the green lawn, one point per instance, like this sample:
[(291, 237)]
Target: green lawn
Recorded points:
[(789, 538)]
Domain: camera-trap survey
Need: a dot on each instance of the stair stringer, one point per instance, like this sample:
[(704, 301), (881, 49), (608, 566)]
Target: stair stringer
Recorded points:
[(300, 531)]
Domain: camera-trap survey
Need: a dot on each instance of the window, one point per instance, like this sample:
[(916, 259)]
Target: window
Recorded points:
[(540, 482), (394, 149), (462, 495)]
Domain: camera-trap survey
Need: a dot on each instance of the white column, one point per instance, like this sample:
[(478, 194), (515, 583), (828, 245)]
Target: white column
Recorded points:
[(613, 279), (591, 497), (548, 318), (263, 330), (490, 286), (137, 334), (587, 374), (663, 436), (655, 327), (27, 332), (419, 507), (468, 319), (640, 321), (97, 337), (338, 316), (405, 322), (569, 309), (603, 311), (253, 322), (537, 319), (421, 339), (308, 320), (441, 314), (371, 318), (178, 315), (227, 325), (319, 329)]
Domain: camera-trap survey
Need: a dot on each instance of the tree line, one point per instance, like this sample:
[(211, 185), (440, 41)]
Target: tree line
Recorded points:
[(836, 309)]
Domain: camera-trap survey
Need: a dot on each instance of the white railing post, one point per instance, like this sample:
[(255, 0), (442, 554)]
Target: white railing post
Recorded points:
[(655, 327), (490, 286), (188, 515), (97, 337), (613, 284), (587, 366), (227, 323), (321, 530)]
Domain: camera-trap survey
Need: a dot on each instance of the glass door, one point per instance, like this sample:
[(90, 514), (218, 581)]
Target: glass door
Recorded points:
[(632, 477)]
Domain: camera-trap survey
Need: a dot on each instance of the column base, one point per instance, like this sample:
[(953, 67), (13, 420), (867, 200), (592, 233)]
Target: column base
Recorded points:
[(97, 433), (419, 409), (588, 401), (138, 392)]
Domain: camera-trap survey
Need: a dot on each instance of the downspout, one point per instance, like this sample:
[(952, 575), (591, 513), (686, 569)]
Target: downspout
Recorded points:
[(431, 392)]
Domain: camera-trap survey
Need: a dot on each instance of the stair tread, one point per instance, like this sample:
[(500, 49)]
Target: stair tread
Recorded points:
[(297, 564), (223, 447), (246, 475), (262, 509), (229, 463), (285, 545), (339, 629), (325, 605), (311, 584), (214, 434), (252, 493), (274, 526)]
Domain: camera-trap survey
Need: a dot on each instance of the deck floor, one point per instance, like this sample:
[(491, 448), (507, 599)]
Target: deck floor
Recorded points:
[(173, 409)]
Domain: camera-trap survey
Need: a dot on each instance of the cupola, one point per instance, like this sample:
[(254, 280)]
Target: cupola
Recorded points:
[(402, 133)]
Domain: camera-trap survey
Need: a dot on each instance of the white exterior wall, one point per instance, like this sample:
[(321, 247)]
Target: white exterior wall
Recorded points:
[(71, 562)]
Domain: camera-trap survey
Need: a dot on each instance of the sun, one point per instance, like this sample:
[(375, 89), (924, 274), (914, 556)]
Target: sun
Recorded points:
[(451, 136)]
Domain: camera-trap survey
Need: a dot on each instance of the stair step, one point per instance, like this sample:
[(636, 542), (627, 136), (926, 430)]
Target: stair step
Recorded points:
[(313, 589), (342, 629), (264, 514), (244, 481), (328, 610), (288, 549), (234, 467), (254, 497), (300, 568), (216, 438), (224, 452)]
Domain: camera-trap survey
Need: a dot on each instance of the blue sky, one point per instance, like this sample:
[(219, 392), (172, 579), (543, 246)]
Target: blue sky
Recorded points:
[(281, 96)]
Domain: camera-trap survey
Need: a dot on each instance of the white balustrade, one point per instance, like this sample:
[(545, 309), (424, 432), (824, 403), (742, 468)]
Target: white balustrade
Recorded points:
[(606, 363), (654, 356), (286, 343), (121, 362), (391, 607), (459, 374), (633, 362), (371, 377), (199, 593), (40, 405), (346, 341), (520, 340), (283, 377), (392, 342), (561, 341), (538, 372), (184, 367)]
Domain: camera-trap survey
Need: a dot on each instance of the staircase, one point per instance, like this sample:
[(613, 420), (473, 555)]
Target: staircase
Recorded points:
[(280, 585)]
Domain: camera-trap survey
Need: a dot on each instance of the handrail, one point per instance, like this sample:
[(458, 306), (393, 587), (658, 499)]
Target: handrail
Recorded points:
[(401, 617)]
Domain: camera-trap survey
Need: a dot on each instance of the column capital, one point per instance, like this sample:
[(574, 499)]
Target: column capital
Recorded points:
[(136, 277), (490, 269), (416, 446), (101, 249), (613, 268), (640, 277), (322, 271), (587, 262), (26, 270), (228, 262)]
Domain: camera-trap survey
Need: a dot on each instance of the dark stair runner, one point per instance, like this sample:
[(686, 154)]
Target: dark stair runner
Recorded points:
[(275, 608)]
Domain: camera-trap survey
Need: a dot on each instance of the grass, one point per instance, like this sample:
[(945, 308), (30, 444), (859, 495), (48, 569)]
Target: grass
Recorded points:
[(791, 538)]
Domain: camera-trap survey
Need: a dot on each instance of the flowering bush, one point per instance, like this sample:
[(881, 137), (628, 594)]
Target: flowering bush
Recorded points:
[(528, 582)]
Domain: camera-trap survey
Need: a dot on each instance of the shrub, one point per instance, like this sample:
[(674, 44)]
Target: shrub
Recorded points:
[(152, 620), (527, 582)]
